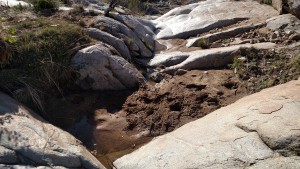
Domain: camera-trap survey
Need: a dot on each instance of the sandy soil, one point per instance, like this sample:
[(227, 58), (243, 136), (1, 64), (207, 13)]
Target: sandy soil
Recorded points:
[(181, 99)]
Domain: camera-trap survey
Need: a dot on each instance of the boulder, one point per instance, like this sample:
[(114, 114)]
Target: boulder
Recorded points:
[(121, 31), (12, 3), (287, 23), (257, 131), (145, 34), (232, 32), (148, 24), (202, 59), (277, 4), (198, 18), (294, 7), (107, 38), (99, 69), (28, 140), (93, 5)]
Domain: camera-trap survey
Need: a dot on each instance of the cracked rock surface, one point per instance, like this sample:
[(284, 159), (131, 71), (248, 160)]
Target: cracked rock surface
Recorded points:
[(258, 131), (28, 141), (197, 18), (100, 69)]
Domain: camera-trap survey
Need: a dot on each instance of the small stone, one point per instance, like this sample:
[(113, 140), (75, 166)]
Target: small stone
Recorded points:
[(295, 37), (180, 72), (242, 58), (273, 36), (156, 77), (262, 39)]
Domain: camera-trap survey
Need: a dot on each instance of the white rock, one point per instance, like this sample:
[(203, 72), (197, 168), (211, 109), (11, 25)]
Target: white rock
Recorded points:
[(202, 59), (258, 131), (101, 70), (13, 3), (193, 19), (25, 136)]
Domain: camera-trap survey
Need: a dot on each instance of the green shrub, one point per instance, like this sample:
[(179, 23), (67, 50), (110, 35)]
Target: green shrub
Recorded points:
[(46, 6), (268, 2), (203, 43)]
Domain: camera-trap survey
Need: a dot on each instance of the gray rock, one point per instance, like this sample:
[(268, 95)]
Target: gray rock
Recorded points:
[(287, 23), (156, 77), (12, 3), (277, 4), (180, 72), (202, 59), (295, 37), (101, 70), (121, 31), (145, 35), (278, 163), (250, 133), (117, 43), (29, 167), (34, 141), (148, 24), (193, 19), (294, 7), (7, 156), (93, 5), (232, 32)]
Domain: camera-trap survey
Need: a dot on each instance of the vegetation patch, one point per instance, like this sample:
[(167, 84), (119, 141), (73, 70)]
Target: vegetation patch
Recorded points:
[(46, 6), (37, 61), (263, 69), (203, 43)]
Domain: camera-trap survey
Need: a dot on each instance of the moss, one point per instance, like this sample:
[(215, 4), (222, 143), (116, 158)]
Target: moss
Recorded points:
[(203, 43)]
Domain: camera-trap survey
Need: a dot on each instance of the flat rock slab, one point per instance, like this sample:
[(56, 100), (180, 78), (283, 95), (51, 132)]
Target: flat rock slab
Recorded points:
[(235, 136), (193, 19), (122, 31), (12, 3), (202, 59), (115, 42), (287, 23), (27, 140), (232, 32)]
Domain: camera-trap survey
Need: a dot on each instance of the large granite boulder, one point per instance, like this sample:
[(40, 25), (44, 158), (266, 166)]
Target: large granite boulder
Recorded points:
[(115, 42), (287, 23), (257, 131), (100, 69), (143, 32), (28, 141), (121, 31), (193, 19), (277, 4), (294, 7), (12, 3)]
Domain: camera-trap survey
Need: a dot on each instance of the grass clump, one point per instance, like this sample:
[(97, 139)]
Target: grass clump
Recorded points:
[(263, 68), (203, 43), (39, 61), (46, 6)]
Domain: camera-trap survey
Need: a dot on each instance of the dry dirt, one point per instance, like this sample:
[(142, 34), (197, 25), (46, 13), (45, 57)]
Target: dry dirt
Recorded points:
[(181, 99)]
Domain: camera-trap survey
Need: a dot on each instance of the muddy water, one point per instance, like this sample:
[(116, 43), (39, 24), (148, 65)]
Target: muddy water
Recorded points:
[(96, 120), (105, 135)]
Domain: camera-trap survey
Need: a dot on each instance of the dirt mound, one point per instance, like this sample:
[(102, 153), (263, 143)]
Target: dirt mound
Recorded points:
[(181, 99)]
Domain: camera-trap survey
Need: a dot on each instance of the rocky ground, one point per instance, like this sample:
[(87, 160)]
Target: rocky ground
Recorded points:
[(140, 78)]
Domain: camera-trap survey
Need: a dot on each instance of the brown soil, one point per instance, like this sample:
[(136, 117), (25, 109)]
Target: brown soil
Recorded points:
[(181, 99)]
